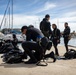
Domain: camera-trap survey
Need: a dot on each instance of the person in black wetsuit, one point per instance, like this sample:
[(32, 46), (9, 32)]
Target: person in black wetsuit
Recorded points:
[(55, 38), (45, 26), (66, 35), (14, 41), (33, 35)]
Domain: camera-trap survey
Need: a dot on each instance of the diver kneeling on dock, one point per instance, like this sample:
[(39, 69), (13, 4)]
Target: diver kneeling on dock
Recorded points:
[(36, 45)]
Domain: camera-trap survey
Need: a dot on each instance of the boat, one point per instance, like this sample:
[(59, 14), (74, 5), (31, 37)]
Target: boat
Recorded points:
[(1, 35), (20, 37)]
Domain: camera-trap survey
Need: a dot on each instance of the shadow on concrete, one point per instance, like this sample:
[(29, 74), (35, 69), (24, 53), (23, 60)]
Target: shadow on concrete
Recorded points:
[(18, 65)]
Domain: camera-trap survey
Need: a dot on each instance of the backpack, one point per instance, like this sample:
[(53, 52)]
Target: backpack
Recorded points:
[(71, 54), (46, 43)]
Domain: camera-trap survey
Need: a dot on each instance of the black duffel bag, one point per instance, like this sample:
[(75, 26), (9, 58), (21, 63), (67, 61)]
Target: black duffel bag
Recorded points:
[(71, 54)]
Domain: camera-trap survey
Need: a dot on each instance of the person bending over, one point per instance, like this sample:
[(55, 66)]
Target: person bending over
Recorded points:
[(33, 37)]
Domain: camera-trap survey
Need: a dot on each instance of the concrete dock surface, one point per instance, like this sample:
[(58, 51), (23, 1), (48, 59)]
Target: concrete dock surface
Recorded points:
[(60, 67)]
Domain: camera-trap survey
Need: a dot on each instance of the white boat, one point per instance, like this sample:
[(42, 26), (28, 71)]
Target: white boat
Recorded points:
[(1, 35), (19, 37)]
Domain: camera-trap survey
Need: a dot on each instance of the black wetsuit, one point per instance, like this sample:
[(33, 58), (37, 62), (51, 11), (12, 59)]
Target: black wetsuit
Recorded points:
[(33, 34), (45, 27), (66, 35), (55, 37), (31, 43)]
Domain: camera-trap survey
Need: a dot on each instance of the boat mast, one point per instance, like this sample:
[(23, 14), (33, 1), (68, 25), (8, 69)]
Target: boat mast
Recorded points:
[(4, 14), (9, 18), (12, 15)]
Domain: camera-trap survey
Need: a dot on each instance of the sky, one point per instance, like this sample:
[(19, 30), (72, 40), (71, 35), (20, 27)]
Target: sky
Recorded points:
[(26, 12)]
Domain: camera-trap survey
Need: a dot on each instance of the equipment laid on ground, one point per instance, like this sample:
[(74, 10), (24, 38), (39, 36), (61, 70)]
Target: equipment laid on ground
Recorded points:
[(71, 54), (10, 53), (13, 56), (5, 46)]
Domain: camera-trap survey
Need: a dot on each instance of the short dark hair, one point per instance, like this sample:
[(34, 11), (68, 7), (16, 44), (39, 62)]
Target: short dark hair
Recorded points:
[(66, 23), (47, 16), (54, 25), (24, 27)]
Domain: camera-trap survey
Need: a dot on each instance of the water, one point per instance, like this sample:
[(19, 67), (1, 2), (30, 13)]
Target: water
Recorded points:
[(71, 42)]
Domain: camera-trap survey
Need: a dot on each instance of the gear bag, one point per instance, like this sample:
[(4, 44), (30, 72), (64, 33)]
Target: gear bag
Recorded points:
[(71, 54), (13, 56)]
